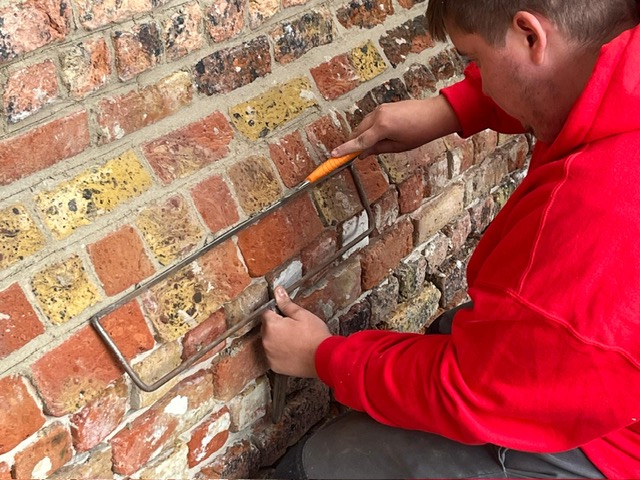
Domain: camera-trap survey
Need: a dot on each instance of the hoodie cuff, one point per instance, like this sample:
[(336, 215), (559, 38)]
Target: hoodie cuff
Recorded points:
[(323, 357), (469, 104)]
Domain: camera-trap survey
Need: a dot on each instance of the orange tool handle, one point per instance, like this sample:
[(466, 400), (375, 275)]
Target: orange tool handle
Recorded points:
[(330, 165)]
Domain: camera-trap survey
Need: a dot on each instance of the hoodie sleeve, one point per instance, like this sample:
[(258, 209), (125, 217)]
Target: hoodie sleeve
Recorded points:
[(475, 110), (526, 383)]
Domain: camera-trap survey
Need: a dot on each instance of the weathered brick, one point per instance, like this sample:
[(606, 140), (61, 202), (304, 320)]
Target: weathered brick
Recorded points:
[(245, 362), (5, 471), (384, 253), (411, 192), (120, 261), (437, 176), (451, 279), (261, 10), (360, 109), (203, 335), (99, 418), (189, 297), (350, 230), (169, 229), (235, 67), (292, 3), (208, 437), (64, 290), (419, 81), (401, 166), (96, 464), (268, 243), (260, 115), (92, 193), (255, 183), (20, 414), (250, 405), (122, 114), (181, 31), (437, 212), (338, 288), (391, 91), (157, 428), (47, 145), (296, 37), (29, 25), (356, 319), (19, 323), (484, 144), (319, 250), (384, 300), (76, 371), (137, 49), (185, 151), (336, 77), (409, 3), (367, 61), (481, 214), (19, 235), (488, 174), (286, 274), (364, 13), (502, 193), (461, 153), (224, 19), (85, 67), (416, 314), (48, 453), (337, 199), (458, 231), (247, 302), (291, 159), (215, 203), (29, 89), (93, 14), (170, 464), (411, 275), (151, 368), (240, 460), (386, 210), (373, 181), (442, 67), (410, 37)]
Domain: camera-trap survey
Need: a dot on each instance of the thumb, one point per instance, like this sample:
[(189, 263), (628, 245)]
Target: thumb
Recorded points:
[(286, 306)]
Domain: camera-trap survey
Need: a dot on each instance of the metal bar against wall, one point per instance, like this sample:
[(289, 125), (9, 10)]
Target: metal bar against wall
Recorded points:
[(108, 340)]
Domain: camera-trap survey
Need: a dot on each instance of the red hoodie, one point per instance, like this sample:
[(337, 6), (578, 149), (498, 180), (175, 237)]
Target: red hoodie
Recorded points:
[(548, 359)]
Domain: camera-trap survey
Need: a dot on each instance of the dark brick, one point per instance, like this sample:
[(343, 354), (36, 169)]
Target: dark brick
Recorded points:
[(419, 80), (293, 39), (361, 109), (410, 37), (364, 13), (392, 91), (442, 67), (181, 34), (356, 319), (225, 19), (137, 50)]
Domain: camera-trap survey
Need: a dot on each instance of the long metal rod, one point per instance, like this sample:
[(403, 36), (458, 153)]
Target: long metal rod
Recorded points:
[(108, 340)]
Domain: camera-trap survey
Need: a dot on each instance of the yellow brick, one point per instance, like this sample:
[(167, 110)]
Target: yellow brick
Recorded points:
[(64, 290), (97, 191), (160, 362), (181, 302), (367, 61), (19, 235), (262, 114)]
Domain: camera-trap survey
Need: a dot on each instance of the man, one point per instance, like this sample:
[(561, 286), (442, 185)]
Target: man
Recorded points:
[(540, 376)]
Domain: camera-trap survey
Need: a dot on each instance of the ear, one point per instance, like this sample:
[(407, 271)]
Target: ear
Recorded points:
[(531, 34)]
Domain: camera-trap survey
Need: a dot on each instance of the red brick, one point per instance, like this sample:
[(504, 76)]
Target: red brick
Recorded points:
[(75, 372), (484, 144), (335, 77), (419, 81), (393, 90), (137, 50), (181, 33), (385, 252), (51, 451), (235, 67), (361, 109), (185, 151), (157, 428), (209, 437), (47, 145), (86, 67), (215, 203), (99, 418), (19, 323), (27, 26), (386, 210), (5, 471), (254, 181), (120, 115), (291, 159), (240, 460), (269, 242), (224, 19), (120, 260), (20, 414), (246, 361), (202, 335), (364, 13), (224, 271), (322, 247), (401, 166), (411, 192), (260, 11), (94, 14), (409, 3), (410, 37), (373, 180), (296, 37), (29, 89)]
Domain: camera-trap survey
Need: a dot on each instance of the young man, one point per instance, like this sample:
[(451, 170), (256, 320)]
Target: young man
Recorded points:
[(547, 358)]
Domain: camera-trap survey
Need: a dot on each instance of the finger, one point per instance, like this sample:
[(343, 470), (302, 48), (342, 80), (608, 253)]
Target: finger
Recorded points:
[(285, 304), (270, 315)]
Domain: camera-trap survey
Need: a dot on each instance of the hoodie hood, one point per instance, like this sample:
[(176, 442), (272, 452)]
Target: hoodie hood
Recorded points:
[(597, 113)]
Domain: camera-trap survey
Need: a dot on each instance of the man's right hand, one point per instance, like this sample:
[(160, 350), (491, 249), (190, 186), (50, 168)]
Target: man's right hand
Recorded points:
[(401, 126)]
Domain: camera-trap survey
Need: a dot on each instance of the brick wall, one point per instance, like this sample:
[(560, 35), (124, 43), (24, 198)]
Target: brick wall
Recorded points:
[(132, 132)]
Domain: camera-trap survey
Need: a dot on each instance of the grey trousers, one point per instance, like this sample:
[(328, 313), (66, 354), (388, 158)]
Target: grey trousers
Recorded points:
[(354, 446)]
